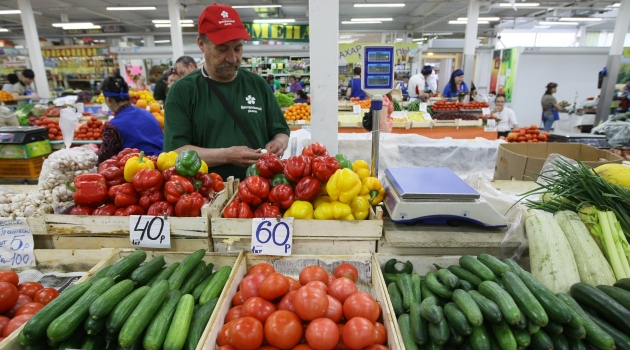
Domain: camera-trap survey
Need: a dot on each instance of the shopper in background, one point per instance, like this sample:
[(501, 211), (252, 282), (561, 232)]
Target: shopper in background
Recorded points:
[(550, 106), (301, 97), (506, 116), (270, 82), (172, 78), (224, 113), (141, 85), (185, 65), (456, 85), (626, 91), (131, 127), (354, 86), (419, 88), (22, 89), (274, 82), (386, 113), (404, 85), (159, 93), (13, 79), (294, 85)]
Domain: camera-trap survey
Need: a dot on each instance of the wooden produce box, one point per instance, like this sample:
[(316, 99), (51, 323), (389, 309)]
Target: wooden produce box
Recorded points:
[(461, 122), (370, 281), (444, 123), (406, 124)]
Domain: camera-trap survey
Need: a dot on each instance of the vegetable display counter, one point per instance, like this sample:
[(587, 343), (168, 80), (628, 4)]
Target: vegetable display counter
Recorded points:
[(463, 132)]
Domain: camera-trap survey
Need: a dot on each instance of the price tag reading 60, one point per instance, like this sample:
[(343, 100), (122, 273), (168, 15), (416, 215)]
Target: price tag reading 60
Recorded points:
[(272, 236), (150, 231)]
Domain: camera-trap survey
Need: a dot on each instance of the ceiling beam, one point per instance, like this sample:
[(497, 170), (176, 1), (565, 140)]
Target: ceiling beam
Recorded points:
[(441, 19)]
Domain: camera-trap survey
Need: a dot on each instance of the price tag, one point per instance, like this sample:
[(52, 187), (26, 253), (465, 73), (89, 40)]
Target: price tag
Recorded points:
[(491, 125), (272, 237), (423, 107), (105, 108), (150, 231), (356, 109), (301, 121), (485, 111), (80, 107), (16, 243), (307, 128)]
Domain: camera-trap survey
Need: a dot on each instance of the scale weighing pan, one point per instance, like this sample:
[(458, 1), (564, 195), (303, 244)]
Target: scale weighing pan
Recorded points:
[(435, 196)]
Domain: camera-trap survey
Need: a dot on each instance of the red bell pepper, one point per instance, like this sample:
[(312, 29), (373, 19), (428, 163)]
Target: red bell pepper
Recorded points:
[(161, 208), (105, 210), (176, 187), (107, 164), (123, 195), (189, 205), (154, 160), (208, 183), (89, 189), (297, 167), (238, 209), (168, 173), (81, 210), (148, 180), (254, 190), (315, 150), (148, 198), (324, 167), (126, 154), (282, 195), (267, 210), (113, 176), (130, 210), (307, 189), (269, 165)]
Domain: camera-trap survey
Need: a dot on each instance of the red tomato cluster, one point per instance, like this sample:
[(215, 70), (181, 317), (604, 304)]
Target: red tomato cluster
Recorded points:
[(20, 301), (527, 134), (92, 130), (320, 311), (456, 106)]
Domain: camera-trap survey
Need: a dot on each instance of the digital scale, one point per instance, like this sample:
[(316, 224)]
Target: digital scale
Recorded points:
[(435, 196), (23, 142), (593, 140)]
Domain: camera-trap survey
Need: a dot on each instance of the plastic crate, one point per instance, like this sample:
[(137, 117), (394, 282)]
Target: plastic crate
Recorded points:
[(21, 168)]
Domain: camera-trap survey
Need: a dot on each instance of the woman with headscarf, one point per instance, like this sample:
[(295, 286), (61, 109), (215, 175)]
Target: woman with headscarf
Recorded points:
[(550, 106), (456, 85)]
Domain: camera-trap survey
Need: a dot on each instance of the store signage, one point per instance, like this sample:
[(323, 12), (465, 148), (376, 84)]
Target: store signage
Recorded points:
[(16, 243), (74, 52), (150, 231), (351, 53), (13, 52), (279, 32), (485, 111), (272, 236), (423, 107)]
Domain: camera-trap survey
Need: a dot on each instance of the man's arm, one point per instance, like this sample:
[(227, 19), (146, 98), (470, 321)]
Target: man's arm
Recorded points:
[(278, 145), (238, 155), (18, 97)]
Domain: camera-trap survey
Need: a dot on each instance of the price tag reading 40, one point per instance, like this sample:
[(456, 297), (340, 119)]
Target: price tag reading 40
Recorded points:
[(272, 236), (150, 231)]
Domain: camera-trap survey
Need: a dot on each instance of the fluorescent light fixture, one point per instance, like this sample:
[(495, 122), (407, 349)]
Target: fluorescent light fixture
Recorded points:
[(10, 12), (399, 39), (68, 24), (433, 34), (466, 22), (162, 41), (346, 41), (580, 19), (480, 19), (380, 5), (3, 30), (366, 22), (545, 23), (84, 27), (419, 39), (131, 8), (429, 53), (275, 20), (164, 25), (254, 6), (168, 21), (616, 5), (345, 36), (522, 4), (371, 19)]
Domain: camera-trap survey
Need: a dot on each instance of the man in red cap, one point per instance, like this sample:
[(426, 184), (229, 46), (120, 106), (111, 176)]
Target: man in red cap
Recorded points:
[(228, 115)]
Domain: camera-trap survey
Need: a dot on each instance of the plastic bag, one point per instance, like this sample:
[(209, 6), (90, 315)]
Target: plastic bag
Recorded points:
[(617, 132), (62, 166), (68, 119)]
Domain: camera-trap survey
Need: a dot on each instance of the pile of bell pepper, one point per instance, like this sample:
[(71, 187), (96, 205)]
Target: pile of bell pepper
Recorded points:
[(313, 185), (131, 183)]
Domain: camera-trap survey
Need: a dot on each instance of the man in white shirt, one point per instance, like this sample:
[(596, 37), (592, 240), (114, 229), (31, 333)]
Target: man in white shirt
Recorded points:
[(507, 118), (419, 87)]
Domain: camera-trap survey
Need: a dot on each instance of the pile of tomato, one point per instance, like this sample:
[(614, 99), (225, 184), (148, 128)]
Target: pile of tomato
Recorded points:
[(20, 301), (527, 134), (319, 311), (92, 130), (456, 106)]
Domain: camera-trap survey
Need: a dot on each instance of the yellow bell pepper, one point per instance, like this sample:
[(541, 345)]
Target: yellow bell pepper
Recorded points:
[(321, 200), (360, 206), (373, 188), (343, 185), (323, 190), (204, 167), (300, 210), (166, 160), (135, 164), (362, 168), (333, 211)]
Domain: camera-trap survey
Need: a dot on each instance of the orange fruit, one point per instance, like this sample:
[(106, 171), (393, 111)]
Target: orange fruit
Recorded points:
[(141, 104), (154, 107)]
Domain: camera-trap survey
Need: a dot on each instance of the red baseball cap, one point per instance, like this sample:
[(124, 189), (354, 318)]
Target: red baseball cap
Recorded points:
[(221, 23)]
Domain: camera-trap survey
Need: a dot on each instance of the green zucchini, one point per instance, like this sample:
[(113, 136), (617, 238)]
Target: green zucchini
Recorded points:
[(532, 328), (431, 311), (495, 265), (214, 288), (208, 271), (457, 319), (436, 287), (559, 341), (622, 340), (504, 335), (468, 306), (194, 278), (620, 295), (396, 298), (415, 287), (576, 344), (454, 338), (623, 283), (524, 299), (610, 309), (404, 286), (465, 285), (178, 331), (202, 285), (480, 339), (117, 317), (595, 335), (574, 333), (433, 346), (158, 327), (494, 345), (185, 268), (39, 346), (448, 278), (489, 308), (405, 331), (73, 342), (108, 300), (553, 328), (523, 339), (473, 265), (523, 321), (65, 325), (125, 266), (513, 266), (494, 292), (97, 276), (439, 332), (541, 341), (165, 274), (22, 339), (143, 313), (419, 325), (199, 323), (465, 275), (93, 326), (111, 340), (390, 277), (556, 310), (143, 274), (94, 342)]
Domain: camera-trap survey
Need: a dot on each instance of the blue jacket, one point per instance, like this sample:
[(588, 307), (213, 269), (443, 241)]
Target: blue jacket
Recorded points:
[(355, 85), (139, 129), (448, 93)]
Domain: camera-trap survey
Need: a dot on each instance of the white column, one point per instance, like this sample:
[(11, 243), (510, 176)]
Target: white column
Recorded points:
[(177, 41), (614, 61), (470, 42), (34, 49), (582, 36), (149, 40), (324, 36)]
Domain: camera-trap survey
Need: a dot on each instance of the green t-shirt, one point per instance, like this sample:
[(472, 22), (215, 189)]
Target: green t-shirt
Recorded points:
[(195, 117)]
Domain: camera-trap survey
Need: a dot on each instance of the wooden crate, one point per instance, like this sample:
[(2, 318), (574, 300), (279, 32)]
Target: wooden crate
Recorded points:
[(461, 122), (291, 266)]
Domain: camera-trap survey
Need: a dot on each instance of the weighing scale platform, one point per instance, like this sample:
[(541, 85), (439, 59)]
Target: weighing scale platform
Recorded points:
[(597, 141)]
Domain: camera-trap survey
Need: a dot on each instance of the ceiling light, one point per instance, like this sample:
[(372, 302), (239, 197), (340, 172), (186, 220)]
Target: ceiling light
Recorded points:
[(433, 34), (10, 12), (346, 41), (366, 22), (616, 5), (162, 41), (380, 5), (546, 23), (168, 21), (522, 4), (466, 22), (254, 6), (580, 19), (345, 36), (131, 8), (275, 20), (164, 25), (419, 39), (68, 24), (370, 19), (84, 27), (481, 19), (429, 53), (3, 30)]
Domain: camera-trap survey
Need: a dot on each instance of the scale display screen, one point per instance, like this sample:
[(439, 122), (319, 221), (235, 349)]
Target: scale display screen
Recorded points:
[(378, 68), (378, 80), (379, 56)]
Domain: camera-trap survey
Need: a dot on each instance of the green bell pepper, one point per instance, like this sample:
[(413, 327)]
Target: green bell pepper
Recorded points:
[(280, 179), (344, 162), (252, 170), (390, 267), (188, 163)]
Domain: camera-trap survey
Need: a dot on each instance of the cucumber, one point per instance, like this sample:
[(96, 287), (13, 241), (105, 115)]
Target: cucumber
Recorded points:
[(97, 276), (473, 265), (494, 345), (37, 325), (532, 328), (553, 328), (431, 311), (576, 319), (416, 287), (390, 277), (143, 274), (448, 278), (165, 274), (479, 339), (620, 295), (489, 308), (111, 340), (208, 271), (158, 327), (465, 275), (25, 341), (504, 335), (513, 266), (108, 300), (623, 283), (457, 319), (93, 326), (622, 341), (125, 266), (38, 346), (405, 331), (595, 335), (178, 331), (214, 288), (523, 322), (439, 332), (494, 292), (576, 344), (403, 282), (433, 346), (454, 338), (559, 341), (468, 306), (523, 339), (65, 325), (541, 341), (185, 268), (94, 342), (555, 309), (524, 299), (419, 325), (426, 292), (436, 287), (202, 285), (495, 265), (574, 333), (117, 317), (396, 298), (73, 342), (194, 278), (606, 306), (199, 323), (465, 285), (143, 313)]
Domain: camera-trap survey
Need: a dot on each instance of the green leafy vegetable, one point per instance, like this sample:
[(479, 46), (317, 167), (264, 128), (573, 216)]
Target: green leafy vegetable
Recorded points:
[(284, 100)]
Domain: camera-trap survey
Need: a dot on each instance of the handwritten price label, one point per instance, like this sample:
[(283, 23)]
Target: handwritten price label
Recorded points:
[(16, 243), (272, 237), (491, 126), (423, 107), (150, 231)]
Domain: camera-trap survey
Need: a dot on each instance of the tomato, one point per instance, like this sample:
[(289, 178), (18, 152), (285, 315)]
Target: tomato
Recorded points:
[(322, 334), (3, 322), (381, 333), (310, 303), (267, 347), (14, 324), (9, 276), (238, 299), (262, 268), (287, 301), (348, 271), (294, 284), (258, 308), (342, 288), (29, 309), (246, 333), (29, 288), (274, 286), (341, 345), (46, 295), (222, 337), (234, 313), (331, 278), (361, 305), (226, 347), (376, 347), (313, 273), (318, 284), (8, 296), (303, 347), (334, 310), (250, 285), (283, 329), (358, 333)]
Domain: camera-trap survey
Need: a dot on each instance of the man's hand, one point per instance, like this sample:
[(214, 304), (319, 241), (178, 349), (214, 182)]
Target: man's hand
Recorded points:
[(276, 147), (243, 156)]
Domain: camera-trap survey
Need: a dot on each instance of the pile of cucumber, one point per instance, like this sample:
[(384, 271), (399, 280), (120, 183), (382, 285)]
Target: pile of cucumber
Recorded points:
[(487, 303), (131, 305)]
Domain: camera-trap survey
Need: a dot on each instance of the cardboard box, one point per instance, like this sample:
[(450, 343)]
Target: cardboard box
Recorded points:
[(27, 151), (524, 161)]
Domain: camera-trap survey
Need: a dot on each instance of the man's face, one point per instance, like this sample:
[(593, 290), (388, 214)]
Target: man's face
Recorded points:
[(222, 61), (183, 69), (27, 81)]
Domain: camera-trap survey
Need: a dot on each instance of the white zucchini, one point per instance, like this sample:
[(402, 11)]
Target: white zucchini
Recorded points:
[(551, 257)]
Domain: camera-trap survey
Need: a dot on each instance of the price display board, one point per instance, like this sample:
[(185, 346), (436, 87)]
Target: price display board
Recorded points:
[(272, 236), (16, 243), (150, 231), (378, 69)]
